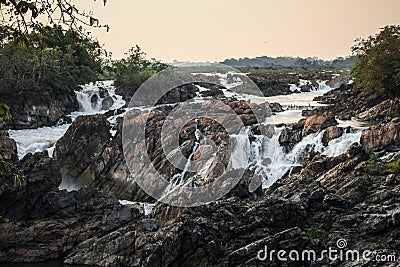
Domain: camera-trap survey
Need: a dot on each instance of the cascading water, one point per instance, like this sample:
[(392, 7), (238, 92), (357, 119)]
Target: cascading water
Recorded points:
[(263, 155), (340, 145), (45, 138), (241, 149), (269, 160), (179, 179)]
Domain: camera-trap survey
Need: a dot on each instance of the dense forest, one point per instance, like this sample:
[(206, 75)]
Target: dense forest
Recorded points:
[(292, 62)]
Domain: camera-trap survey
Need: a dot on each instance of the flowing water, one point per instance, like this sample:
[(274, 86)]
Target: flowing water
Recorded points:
[(263, 155), (90, 100)]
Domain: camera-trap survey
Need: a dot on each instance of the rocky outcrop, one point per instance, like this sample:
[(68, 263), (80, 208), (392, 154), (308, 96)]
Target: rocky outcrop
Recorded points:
[(8, 147), (291, 134), (179, 94), (382, 109), (304, 213), (327, 200), (346, 102), (317, 122), (271, 87), (384, 136), (45, 223), (331, 133), (275, 107), (78, 150), (33, 109), (103, 164)]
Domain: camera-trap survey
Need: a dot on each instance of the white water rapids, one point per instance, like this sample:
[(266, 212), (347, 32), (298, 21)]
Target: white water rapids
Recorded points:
[(267, 158), (90, 102)]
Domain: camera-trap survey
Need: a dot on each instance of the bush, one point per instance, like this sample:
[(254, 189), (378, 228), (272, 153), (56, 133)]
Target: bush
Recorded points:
[(377, 70), (371, 166), (394, 167), (315, 232)]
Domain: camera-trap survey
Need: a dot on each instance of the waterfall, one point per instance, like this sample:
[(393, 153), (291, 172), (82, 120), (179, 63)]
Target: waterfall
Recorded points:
[(92, 96), (241, 149), (45, 138), (179, 179), (269, 160), (340, 145)]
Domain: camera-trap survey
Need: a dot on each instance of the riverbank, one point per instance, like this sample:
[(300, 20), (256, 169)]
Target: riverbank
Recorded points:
[(322, 183)]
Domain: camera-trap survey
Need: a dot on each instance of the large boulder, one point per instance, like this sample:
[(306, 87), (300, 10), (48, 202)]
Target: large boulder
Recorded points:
[(384, 136), (291, 134), (107, 103), (318, 122), (331, 133), (32, 109), (78, 150), (8, 146)]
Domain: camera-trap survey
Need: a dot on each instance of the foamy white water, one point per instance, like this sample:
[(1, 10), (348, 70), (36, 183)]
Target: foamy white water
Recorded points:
[(37, 140), (264, 155), (45, 138)]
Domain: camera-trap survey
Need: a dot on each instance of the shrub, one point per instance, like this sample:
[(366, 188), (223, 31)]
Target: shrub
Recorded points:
[(315, 232), (394, 167)]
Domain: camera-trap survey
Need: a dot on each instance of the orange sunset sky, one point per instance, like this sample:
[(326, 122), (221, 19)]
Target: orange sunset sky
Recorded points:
[(213, 30)]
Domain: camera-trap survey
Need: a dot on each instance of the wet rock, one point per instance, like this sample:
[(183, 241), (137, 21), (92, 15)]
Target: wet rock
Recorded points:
[(271, 87), (78, 150), (179, 94), (331, 133), (8, 147), (291, 135), (32, 109), (306, 88), (275, 107), (107, 103), (315, 123), (335, 201), (384, 136)]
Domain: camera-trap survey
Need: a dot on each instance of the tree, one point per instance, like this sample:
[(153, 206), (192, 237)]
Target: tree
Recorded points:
[(135, 69), (57, 60), (24, 16), (377, 69)]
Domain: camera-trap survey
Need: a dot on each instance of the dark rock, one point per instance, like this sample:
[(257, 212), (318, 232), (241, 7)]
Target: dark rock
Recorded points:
[(275, 107), (335, 201), (77, 151), (179, 94), (8, 147), (107, 103), (331, 133), (315, 123), (291, 135), (32, 109), (384, 136)]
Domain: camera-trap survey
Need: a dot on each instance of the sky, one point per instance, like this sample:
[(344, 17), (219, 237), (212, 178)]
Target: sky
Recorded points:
[(214, 30)]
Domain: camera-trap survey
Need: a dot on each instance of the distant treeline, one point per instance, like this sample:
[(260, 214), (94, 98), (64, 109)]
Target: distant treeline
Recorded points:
[(292, 62)]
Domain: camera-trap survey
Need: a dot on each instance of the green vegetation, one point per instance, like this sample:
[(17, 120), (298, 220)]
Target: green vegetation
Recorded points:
[(2, 219), (135, 69), (19, 180), (378, 67), (371, 166), (223, 248), (314, 63), (56, 60), (315, 232), (4, 116), (394, 167)]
